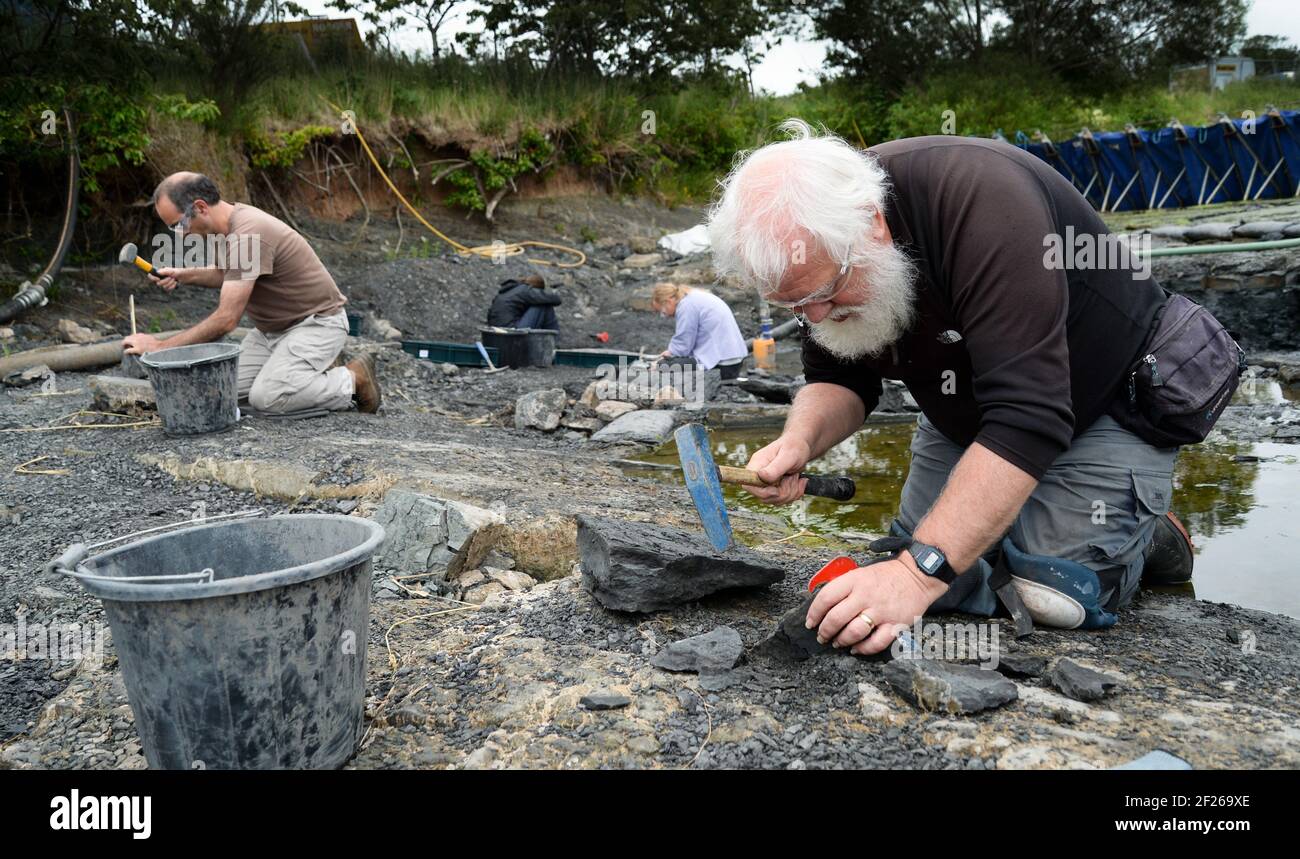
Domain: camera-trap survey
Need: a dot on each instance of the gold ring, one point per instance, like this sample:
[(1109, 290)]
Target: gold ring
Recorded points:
[(866, 618)]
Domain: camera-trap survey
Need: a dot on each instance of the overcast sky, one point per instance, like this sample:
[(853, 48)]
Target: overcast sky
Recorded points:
[(791, 62)]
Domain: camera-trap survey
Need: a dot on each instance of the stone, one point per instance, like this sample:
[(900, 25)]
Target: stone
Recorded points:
[(71, 332), (511, 580), (611, 410), (643, 426), (604, 701), (6, 333), (948, 687), (23, 378), (581, 424), (540, 409), (1079, 682), (422, 532), (640, 567), (1208, 233), (1288, 374), (711, 653), (471, 578), (645, 260), (465, 520), (591, 394), (480, 594), (119, 394), (448, 369), (384, 330), (792, 639), (1021, 665)]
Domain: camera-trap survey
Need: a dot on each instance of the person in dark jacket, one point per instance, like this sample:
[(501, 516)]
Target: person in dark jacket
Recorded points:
[(525, 303)]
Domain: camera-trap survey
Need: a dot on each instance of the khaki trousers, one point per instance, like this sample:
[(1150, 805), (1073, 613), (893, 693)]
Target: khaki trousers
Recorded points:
[(286, 371)]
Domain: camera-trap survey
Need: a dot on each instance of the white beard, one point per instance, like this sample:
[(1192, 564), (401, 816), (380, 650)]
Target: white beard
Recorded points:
[(867, 329)]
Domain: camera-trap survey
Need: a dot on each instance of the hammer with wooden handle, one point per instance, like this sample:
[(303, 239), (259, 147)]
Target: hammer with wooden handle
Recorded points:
[(704, 479), (129, 255)]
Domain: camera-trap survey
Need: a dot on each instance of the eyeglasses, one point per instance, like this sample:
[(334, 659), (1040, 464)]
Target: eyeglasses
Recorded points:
[(818, 296), (184, 222)]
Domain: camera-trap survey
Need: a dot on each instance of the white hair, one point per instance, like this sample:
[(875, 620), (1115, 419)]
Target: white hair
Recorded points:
[(815, 188)]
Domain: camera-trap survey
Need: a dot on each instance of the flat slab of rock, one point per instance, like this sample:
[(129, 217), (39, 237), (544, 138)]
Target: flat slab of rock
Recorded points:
[(643, 426), (1021, 665), (947, 687), (604, 701), (120, 394), (1080, 683), (711, 653), (640, 567)]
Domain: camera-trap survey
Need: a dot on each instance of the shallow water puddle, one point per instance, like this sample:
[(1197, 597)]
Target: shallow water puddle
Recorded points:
[(1241, 503)]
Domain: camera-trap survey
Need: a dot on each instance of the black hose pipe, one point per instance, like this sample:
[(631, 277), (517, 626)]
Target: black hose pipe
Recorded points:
[(32, 293)]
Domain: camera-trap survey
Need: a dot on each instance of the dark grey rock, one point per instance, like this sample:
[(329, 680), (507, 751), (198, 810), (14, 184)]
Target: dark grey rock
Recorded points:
[(792, 639), (1078, 682), (711, 653), (604, 701), (710, 682), (639, 567), (948, 687), (1021, 664)]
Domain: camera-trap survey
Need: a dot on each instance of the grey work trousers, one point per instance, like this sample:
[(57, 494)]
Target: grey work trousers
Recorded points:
[(286, 371), (1097, 504)]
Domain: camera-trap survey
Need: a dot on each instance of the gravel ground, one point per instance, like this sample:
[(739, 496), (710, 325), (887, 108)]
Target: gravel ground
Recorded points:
[(499, 685)]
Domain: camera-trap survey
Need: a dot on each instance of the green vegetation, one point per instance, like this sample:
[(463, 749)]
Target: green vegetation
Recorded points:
[(204, 85)]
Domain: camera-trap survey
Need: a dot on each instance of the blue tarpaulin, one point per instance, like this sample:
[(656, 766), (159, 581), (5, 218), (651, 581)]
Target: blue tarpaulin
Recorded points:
[(1178, 166)]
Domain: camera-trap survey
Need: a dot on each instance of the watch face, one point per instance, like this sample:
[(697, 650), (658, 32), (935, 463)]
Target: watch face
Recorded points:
[(930, 561)]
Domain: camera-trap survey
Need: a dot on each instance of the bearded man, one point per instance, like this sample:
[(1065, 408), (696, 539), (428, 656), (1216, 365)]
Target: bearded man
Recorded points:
[(923, 260)]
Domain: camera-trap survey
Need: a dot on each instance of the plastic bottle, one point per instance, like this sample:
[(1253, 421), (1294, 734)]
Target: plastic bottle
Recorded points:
[(765, 347)]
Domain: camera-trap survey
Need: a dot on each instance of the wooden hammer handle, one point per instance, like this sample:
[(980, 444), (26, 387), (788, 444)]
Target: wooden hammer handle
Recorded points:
[(838, 488)]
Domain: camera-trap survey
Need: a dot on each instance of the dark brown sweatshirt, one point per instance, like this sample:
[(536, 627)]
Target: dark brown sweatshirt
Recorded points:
[(1006, 349)]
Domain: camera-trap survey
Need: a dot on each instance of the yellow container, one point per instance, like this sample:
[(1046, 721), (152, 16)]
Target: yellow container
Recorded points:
[(765, 353)]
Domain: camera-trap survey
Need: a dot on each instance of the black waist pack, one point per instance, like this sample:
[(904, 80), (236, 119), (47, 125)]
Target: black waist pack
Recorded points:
[(1185, 376)]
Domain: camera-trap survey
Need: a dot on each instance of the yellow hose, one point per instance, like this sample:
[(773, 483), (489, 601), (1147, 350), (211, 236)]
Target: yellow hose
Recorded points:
[(496, 251)]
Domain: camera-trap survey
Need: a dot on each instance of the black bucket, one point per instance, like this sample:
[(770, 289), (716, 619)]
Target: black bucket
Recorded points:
[(521, 347), (355, 321), (197, 386), (243, 642)]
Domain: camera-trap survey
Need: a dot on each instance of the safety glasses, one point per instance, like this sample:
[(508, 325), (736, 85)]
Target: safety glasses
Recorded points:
[(184, 223), (818, 296)]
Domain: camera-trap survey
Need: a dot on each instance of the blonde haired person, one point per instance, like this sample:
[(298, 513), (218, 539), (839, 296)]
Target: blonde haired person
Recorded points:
[(707, 333)]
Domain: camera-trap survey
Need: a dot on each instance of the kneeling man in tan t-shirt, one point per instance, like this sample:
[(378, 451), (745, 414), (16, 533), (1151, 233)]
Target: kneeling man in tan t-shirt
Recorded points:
[(272, 274)]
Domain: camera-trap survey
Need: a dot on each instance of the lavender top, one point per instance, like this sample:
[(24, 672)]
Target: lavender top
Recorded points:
[(706, 330)]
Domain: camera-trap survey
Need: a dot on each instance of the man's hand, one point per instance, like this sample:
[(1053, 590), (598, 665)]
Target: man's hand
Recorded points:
[(665, 354), (893, 593), (779, 464), (165, 277), (138, 344)]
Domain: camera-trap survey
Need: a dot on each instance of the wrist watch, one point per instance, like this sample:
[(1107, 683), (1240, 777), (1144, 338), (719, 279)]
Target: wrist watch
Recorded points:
[(932, 562)]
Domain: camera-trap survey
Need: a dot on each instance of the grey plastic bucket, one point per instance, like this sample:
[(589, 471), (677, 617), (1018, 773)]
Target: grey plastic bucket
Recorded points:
[(197, 387), (243, 642)]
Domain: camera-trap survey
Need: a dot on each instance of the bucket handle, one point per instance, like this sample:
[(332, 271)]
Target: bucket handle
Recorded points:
[(68, 562), (202, 577)]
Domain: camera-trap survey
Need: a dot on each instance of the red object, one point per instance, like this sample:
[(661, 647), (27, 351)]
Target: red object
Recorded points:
[(832, 570), (603, 336)]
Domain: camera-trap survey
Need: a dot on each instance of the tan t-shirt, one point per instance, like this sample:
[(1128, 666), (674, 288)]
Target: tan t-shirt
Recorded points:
[(292, 283)]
